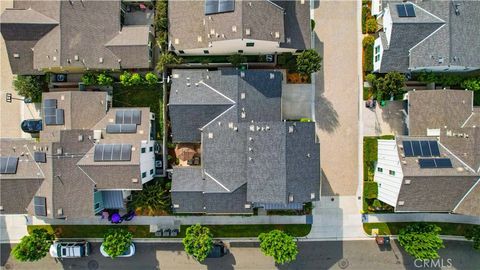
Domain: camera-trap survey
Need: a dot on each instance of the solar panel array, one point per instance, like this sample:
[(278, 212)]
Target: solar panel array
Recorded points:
[(433, 163), (128, 117), (39, 204), (40, 157), (8, 165), (112, 152), (52, 115), (421, 149), (121, 128), (219, 6), (405, 10)]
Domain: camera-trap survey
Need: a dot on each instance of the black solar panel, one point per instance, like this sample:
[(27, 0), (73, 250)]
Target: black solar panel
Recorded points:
[(417, 151), (402, 12), (407, 148), (40, 157), (443, 163), (121, 128), (434, 148), (219, 6), (425, 149), (50, 103), (426, 163), (128, 117), (112, 152), (49, 111), (59, 120), (410, 10), (40, 206), (8, 165)]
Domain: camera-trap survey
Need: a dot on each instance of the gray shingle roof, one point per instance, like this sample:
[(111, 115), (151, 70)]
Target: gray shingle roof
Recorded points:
[(470, 205), (247, 144)]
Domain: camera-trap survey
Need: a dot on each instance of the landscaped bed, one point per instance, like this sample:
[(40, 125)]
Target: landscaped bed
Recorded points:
[(141, 96), (394, 228), (143, 231)]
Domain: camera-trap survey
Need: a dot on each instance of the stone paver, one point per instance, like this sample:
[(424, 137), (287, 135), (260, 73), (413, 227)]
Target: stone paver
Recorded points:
[(297, 101), (383, 120), (337, 95)]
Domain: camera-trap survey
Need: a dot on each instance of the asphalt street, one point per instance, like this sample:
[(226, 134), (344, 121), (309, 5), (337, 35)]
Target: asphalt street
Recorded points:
[(312, 255)]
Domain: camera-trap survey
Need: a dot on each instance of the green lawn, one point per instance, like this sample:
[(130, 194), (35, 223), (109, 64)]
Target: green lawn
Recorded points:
[(141, 96), (142, 231), (394, 228)]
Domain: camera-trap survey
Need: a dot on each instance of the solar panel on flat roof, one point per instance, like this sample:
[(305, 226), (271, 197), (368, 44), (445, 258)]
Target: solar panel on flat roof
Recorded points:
[(40, 157), (226, 5), (136, 117), (49, 111), (402, 12), (50, 103), (211, 7), (410, 10), (443, 163), (426, 163), (109, 152), (434, 148), (8, 165), (40, 206), (425, 149), (59, 117), (121, 128), (407, 148), (417, 151), (128, 117)]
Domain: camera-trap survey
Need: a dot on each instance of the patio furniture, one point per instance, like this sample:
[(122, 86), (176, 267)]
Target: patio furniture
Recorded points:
[(174, 232), (167, 232), (190, 162), (184, 152), (159, 233)]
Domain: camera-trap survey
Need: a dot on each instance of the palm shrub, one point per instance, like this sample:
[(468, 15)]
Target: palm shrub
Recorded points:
[(166, 59), (308, 62), (30, 86), (152, 198), (421, 240), (116, 242), (33, 247), (198, 242), (279, 245)]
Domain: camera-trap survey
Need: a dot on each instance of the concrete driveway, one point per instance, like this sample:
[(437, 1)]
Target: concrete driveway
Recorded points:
[(383, 120), (337, 94), (297, 101)]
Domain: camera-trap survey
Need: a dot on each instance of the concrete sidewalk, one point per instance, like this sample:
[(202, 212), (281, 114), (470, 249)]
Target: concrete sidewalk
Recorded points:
[(12, 228), (422, 217)]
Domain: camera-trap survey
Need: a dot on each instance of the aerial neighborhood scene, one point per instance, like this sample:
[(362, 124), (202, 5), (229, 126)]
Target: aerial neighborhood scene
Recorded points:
[(240, 134)]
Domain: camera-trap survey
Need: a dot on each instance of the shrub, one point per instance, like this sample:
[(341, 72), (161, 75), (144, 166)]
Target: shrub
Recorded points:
[(368, 61), (471, 84), (365, 15), (279, 245), (312, 24), (151, 78), (33, 247), (116, 242), (368, 41), (165, 59), (421, 240), (370, 78), (89, 78), (371, 25), (308, 62), (305, 120), (370, 190), (125, 78), (136, 79), (377, 204), (198, 242), (151, 199), (30, 86), (474, 235), (104, 80), (236, 59)]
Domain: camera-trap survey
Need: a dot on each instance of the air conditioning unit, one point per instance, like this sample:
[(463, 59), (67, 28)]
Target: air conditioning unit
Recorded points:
[(152, 116), (408, 181), (401, 203), (97, 134)]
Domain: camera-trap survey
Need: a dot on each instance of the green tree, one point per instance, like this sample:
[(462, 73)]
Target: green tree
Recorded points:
[(165, 59), (33, 247), (421, 240), (151, 78), (279, 245), (125, 78), (371, 25), (474, 235), (136, 79), (368, 41), (471, 84), (391, 84), (104, 79), (236, 59), (89, 78), (198, 242), (30, 86), (116, 242), (308, 62), (370, 78)]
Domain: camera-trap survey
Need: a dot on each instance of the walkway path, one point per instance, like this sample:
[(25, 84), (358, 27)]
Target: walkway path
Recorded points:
[(422, 217), (12, 228)]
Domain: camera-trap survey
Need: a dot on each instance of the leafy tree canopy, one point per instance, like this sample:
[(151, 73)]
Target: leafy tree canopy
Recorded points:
[(279, 245), (30, 86), (116, 242), (198, 242), (474, 235), (104, 79), (308, 62), (151, 78), (33, 247), (421, 240)]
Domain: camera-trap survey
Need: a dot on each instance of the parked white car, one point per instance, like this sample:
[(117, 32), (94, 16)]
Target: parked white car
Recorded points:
[(70, 249), (128, 253)]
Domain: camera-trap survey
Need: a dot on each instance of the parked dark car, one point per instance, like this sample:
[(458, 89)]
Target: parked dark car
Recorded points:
[(219, 250), (32, 125)]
